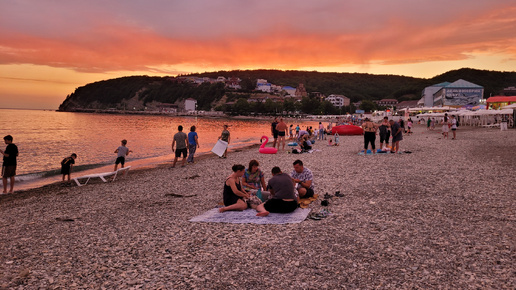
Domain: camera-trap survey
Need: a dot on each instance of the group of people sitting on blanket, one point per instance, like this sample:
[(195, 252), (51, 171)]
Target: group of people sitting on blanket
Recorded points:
[(243, 189)]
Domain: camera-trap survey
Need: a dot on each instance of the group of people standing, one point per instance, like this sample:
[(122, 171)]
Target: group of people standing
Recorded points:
[(388, 128), (245, 188)]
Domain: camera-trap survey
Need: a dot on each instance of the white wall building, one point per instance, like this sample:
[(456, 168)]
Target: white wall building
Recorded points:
[(338, 101), (190, 104)]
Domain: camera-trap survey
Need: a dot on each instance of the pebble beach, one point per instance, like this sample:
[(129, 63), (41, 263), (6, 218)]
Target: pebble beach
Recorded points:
[(440, 217)]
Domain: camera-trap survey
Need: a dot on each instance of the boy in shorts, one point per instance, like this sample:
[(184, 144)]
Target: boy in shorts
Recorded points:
[(9, 165), (67, 166), (121, 151)]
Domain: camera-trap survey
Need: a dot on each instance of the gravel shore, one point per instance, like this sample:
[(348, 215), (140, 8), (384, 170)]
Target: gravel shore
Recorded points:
[(443, 216)]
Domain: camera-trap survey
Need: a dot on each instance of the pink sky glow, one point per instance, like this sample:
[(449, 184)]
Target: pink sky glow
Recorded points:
[(48, 48)]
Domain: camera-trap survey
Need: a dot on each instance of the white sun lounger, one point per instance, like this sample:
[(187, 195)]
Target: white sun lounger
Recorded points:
[(102, 176)]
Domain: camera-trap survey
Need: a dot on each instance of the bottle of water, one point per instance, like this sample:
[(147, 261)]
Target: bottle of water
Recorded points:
[(259, 193)]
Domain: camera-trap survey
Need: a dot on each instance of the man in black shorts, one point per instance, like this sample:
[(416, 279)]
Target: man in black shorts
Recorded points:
[(182, 143), (283, 197)]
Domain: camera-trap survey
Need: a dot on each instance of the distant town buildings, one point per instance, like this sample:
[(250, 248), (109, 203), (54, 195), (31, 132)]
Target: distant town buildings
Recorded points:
[(338, 101)]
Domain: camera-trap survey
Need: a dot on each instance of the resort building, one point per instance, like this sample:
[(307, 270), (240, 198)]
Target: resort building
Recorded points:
[(427, 96), (458, 94)]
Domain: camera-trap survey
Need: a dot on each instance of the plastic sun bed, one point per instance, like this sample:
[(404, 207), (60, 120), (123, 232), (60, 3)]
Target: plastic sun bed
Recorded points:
[(123, 171)]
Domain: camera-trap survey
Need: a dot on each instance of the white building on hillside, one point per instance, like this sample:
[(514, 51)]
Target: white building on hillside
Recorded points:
[(190, 104), (338, 101)]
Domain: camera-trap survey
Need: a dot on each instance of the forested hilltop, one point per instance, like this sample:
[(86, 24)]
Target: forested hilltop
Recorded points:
[(145, 93)]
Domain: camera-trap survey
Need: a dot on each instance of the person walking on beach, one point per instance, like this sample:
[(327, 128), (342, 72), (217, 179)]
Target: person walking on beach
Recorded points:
[(397, 136), (297, 131), (274, 131), (225, 136), (283, 196), (122, 152), (182, 143), (290, 131), (233, 194), (67, 166), (281, 128), (9, 164), (193, 144), (304, 179)]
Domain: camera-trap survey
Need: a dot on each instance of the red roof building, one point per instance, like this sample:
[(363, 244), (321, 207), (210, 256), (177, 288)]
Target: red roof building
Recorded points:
[(499, 101)]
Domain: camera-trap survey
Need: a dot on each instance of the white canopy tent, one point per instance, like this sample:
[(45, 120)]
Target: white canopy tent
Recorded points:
[(473, 118)]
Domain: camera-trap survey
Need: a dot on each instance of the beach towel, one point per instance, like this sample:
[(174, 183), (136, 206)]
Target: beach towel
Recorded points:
[(304, 202), (248, 216)]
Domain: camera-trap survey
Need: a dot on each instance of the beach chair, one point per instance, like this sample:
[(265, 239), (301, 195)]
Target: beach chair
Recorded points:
[(102, 176)]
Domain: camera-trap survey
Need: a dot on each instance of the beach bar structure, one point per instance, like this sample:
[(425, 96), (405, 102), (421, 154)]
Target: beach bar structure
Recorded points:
[(498, 102)]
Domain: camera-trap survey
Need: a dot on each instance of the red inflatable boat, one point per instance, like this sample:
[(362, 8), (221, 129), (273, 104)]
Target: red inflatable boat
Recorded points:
[(347, 130)]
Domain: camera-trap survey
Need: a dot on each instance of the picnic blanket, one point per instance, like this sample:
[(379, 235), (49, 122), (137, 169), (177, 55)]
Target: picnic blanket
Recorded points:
[(248, 216)]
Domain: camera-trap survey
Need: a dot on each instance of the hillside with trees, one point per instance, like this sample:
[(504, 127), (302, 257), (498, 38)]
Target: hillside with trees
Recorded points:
[(144, 92)]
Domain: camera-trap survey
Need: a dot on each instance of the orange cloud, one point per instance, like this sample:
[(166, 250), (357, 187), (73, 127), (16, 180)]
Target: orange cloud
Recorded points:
[(117, 48)]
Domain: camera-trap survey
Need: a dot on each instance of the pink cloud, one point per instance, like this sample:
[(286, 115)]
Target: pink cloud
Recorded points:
[(281, 39)]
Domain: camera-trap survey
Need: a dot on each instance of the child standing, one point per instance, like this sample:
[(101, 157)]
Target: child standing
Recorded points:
[(67, 166), (122, 152), (9, 165)]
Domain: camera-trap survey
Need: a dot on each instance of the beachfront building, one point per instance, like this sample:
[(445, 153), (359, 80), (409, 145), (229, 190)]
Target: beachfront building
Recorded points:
[(190, 105), (497, 102), (459, 94), (338, 101), (427, 96)]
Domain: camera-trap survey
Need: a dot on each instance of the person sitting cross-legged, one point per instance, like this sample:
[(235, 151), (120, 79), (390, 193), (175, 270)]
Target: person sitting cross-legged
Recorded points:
[(283, 195)]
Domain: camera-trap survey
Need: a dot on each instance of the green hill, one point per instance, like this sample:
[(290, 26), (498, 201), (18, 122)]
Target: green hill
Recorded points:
[(139, 92)]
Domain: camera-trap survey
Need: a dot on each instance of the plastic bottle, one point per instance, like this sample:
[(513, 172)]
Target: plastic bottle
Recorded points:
[(259, 193)]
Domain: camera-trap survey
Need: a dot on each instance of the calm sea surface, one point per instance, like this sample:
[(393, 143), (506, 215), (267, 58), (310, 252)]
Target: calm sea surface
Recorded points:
[(44, 138)]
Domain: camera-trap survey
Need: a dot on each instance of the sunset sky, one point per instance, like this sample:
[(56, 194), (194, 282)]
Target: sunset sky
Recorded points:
[(50, 47)]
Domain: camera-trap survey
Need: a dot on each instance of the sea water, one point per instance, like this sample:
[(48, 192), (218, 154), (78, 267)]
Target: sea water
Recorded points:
[(44, 138)]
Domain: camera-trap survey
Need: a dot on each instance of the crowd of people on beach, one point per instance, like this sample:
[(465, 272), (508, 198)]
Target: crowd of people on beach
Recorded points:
[(245, 188)]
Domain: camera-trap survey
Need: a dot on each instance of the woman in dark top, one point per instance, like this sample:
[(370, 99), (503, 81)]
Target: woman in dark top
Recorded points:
[(233, 194)]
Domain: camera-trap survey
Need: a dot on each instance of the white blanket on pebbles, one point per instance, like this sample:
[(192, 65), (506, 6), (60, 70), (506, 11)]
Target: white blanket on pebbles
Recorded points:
[(248, 216)]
